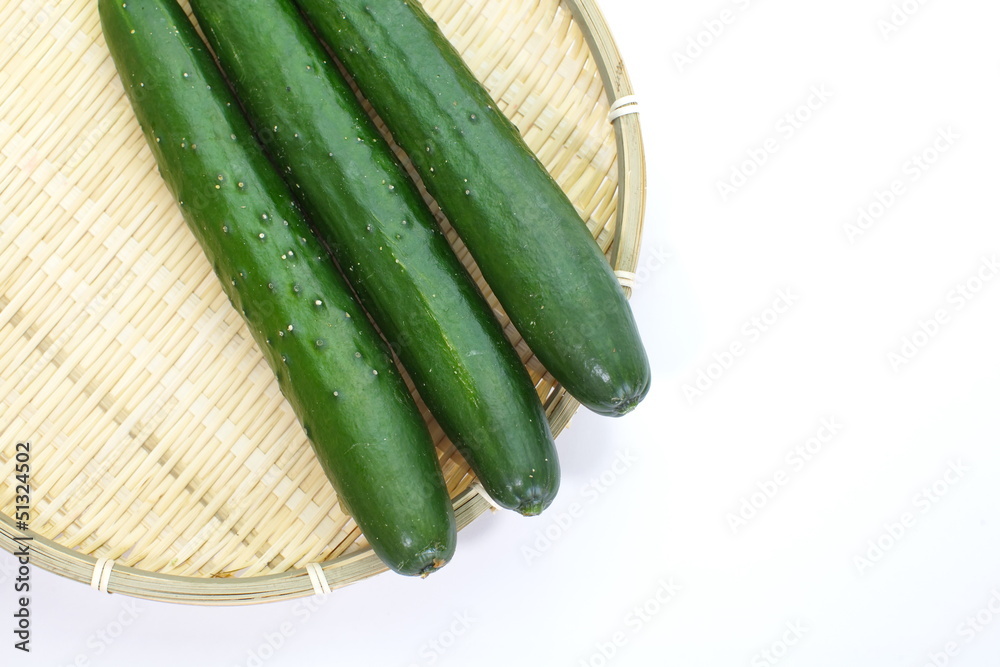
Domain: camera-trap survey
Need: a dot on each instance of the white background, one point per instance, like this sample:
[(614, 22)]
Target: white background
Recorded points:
[(842, 560)]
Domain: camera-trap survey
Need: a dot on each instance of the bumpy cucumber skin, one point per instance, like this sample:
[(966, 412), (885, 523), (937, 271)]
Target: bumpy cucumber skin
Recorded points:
[(525, 234), (387, 242), (335, 371)]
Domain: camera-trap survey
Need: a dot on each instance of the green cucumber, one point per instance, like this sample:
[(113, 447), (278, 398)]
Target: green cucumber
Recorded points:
[(331, 365), (533, 248), (363, 204)]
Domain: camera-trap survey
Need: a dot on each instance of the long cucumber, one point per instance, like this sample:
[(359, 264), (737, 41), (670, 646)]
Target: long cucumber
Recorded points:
[(331, 365), (533, 248), (388, 244)]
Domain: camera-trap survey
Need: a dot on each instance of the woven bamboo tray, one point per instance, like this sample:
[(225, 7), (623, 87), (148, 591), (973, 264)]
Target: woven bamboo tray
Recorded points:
[(165, 463)]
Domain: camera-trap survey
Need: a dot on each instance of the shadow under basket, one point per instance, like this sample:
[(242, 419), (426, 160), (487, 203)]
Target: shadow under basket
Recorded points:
[(164, 462)]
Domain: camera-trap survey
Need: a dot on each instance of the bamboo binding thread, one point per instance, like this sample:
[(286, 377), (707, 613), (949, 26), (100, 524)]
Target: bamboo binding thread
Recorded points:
[(623, 106), (626, 278), (478, 487), (320, 584), (102, 574)]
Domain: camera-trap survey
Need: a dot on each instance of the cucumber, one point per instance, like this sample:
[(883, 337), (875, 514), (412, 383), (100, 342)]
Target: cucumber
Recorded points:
[(533, 248), (363, 204), (331, 365)]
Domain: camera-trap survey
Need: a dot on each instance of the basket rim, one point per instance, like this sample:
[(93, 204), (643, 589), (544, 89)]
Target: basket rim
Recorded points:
[(469, 504)]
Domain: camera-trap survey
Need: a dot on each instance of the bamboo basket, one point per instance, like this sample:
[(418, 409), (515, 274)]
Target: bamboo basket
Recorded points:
[(165, 463)]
